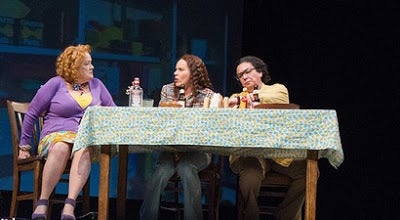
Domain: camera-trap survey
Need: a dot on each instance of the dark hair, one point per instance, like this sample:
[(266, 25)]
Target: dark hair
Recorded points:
[(198, 73), (257, 63)]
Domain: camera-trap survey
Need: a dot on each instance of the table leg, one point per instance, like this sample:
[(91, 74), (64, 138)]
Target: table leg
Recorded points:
[(104, 183), (122, 181), (311, 184)]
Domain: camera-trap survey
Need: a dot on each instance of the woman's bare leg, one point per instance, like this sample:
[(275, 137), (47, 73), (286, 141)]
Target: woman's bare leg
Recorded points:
[(52, 171), (79, 173)]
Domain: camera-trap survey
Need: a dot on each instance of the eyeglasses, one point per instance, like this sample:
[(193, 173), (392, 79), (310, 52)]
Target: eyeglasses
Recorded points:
[(246, 71)]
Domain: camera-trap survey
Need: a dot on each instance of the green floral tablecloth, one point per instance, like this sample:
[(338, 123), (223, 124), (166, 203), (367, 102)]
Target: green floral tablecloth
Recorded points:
[(270, 133)]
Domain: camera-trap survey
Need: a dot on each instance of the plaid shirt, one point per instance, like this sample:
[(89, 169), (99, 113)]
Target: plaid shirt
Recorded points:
[(167, 95)]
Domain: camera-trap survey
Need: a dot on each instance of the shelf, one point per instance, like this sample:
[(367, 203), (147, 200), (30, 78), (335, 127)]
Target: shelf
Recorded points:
[(54, 52), (28, 50), (110, 56)]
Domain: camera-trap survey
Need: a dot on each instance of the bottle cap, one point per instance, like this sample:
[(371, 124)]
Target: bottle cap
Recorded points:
[(136, 81)]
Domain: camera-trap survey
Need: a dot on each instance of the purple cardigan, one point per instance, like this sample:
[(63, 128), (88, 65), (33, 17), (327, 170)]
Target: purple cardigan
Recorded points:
[(63, 113)]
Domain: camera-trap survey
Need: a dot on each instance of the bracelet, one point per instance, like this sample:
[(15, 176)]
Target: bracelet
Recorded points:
[(25, 147)]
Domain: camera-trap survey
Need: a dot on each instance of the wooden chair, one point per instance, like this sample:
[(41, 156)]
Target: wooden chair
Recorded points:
[(275, 186), (277, 106), (34, 164), (210, 179)]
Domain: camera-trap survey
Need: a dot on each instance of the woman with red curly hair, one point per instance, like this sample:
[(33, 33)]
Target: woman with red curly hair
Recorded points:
[(63, 100)]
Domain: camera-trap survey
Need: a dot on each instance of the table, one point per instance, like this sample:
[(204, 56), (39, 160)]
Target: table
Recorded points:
[(294, 133)]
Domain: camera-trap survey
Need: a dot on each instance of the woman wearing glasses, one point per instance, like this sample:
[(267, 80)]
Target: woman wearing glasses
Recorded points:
[(252, 72)]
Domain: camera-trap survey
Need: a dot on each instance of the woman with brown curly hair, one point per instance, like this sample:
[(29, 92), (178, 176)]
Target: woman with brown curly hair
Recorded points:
[(63, 100), (190, 74)]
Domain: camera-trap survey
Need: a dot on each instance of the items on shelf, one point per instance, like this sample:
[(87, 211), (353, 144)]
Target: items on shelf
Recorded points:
[(7, 30), (21, 31), (31, 32)]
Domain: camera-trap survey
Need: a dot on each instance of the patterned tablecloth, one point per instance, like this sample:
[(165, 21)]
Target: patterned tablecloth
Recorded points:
[(273, 133)]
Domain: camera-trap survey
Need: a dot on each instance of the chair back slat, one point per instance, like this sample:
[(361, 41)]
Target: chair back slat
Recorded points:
[(16, 112), (170, 104), (278, 106)]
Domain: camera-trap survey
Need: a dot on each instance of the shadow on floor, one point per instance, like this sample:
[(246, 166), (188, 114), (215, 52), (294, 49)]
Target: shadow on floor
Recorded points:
[(227, 211)]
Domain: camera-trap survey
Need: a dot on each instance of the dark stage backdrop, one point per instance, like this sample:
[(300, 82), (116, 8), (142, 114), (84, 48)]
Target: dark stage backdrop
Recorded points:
[(340, 55)]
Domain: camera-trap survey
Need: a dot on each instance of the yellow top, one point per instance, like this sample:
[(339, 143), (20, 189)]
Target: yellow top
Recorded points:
[(83, 100), (270, 94)]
